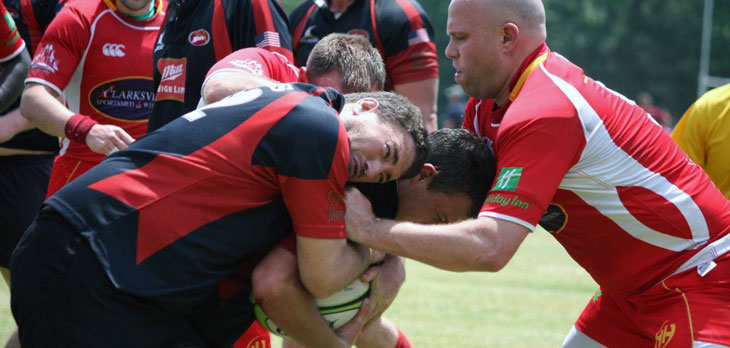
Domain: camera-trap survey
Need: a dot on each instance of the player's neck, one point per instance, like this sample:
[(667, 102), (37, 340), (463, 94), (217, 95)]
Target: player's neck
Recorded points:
[(146, 11), (339, 5)]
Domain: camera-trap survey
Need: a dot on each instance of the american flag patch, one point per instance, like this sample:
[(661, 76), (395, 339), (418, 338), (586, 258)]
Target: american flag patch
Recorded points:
[(418, 36), (268, 38)]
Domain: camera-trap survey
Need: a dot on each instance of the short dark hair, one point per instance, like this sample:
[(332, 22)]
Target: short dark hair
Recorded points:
[(353, 57), (463, 164), (397, 110)]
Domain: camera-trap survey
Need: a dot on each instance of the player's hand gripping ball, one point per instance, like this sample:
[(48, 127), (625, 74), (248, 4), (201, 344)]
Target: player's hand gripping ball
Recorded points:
[(337, 310)]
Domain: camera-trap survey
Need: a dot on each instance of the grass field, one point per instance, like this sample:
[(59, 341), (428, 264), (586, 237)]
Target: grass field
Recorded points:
[(531, 303)]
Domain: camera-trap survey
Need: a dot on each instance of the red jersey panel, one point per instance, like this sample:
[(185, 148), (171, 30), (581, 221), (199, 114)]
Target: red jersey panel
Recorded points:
[(10, 42), (601, 175), (252, 168), (258, 62), (96, 58)]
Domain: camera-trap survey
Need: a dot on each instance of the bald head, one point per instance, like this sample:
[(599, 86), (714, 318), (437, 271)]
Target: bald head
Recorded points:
[(489, 40), (528, 15)]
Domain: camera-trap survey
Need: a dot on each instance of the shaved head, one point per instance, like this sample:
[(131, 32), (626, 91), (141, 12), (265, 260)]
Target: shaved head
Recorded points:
[(529, 15), (489, 40)]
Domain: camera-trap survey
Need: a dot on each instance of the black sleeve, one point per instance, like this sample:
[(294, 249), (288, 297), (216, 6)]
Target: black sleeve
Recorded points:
[(12, 75), (45, 11)]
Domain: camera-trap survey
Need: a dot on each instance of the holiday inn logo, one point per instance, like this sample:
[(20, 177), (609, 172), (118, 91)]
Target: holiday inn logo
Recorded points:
[(508, 179)]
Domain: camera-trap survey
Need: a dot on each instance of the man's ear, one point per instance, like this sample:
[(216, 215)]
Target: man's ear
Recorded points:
[(510, 34), (364, 104), (427, 173)]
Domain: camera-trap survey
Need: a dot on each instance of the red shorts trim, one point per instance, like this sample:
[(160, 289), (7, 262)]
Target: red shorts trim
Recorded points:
[(255, 337), (683, 309), (64, 170)]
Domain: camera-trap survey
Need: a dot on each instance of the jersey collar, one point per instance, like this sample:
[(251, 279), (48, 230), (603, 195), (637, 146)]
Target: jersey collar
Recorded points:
[(110, 4), (532, 61)]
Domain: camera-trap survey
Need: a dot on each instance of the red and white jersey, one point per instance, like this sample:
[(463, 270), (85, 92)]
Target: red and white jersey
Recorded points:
[(601, 175), (10, 42), (100, 61), (258, 62)]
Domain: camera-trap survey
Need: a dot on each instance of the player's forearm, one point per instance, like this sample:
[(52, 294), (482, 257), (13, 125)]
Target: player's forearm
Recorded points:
[(287, 303), (327, 269), (12, 74), (473, 245), (42, 108), (13, 123), (422, 94)]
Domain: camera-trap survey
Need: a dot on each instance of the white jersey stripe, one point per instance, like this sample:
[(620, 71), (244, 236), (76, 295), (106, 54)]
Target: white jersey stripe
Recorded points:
[(521, 222), (603, 166)]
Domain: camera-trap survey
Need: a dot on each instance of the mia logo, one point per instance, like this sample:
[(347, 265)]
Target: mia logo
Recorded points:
[(508, 179), (200, 37), (665, 334)]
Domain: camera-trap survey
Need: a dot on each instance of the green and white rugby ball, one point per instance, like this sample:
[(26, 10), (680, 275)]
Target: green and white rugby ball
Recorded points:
[(337, 309)]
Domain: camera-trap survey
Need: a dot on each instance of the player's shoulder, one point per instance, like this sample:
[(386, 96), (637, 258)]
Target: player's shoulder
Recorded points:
[(403, 11), (83, 12), (300, 12)]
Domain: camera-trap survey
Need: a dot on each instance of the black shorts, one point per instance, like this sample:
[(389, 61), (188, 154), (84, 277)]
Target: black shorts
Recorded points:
[(61, 296), (23, 184), (220, 324)]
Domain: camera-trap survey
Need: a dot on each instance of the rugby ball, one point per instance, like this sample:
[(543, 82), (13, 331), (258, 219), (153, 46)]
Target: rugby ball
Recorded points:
[(337, 309)]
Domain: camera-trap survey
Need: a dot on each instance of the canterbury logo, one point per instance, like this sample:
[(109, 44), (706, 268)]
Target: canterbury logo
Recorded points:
[(665, 334), (113, 50)]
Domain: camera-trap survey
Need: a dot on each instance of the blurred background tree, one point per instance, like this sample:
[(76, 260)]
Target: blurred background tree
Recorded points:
[(629, 45)]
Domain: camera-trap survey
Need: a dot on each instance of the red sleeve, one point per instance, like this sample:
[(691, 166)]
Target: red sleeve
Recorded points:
[(60, 50), (418, 60), (258, 62), (533, 155), (317, 207), (416, 63), (10, 43)]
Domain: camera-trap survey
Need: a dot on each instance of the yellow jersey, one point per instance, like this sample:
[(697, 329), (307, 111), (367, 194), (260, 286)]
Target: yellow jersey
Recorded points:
[(704, 134)]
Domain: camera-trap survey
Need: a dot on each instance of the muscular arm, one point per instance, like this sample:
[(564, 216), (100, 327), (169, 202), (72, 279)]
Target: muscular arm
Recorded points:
[(423, 94), (327, 265), (42, 107), (12, 74), (282, 296), (482, 244)]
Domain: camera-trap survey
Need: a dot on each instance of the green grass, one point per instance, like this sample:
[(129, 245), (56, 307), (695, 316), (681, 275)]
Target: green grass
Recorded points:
[(531, 303)]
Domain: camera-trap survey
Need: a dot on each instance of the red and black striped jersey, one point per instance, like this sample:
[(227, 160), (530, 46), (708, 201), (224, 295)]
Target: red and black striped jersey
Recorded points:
[(176, 211), (399, 29), (10, 42), (196, 35), (31, 18)]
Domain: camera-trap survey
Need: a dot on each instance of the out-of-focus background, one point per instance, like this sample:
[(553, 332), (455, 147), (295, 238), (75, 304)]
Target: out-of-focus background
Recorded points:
[(671, 50), (630, 45)]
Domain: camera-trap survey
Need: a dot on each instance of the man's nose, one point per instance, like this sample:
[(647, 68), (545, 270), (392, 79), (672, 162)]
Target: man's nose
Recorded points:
[(449, 51), (374, 168)]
